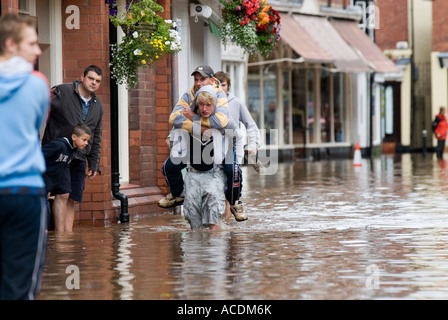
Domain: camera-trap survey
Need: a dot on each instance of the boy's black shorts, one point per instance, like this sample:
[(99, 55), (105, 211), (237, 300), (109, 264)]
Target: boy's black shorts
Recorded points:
[(72, 181)]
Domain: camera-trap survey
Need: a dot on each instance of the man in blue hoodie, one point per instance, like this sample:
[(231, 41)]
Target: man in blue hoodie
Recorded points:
[(24, 102)]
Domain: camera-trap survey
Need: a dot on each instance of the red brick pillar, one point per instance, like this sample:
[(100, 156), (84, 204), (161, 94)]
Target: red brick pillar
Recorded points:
[(83, 47)]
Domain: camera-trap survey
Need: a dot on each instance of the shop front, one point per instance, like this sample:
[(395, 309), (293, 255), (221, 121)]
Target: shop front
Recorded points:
[(311, 97)]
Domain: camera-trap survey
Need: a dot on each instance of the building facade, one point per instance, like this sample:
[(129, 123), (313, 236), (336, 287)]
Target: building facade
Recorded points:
[(75, 34), (412, 34), (340, 75), (315, 95)]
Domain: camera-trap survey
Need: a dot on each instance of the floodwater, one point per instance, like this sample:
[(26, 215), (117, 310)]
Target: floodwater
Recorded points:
[(316, 230)]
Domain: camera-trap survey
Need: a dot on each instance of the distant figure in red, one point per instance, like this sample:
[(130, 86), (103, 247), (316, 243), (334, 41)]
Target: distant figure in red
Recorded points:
[(440, 127)]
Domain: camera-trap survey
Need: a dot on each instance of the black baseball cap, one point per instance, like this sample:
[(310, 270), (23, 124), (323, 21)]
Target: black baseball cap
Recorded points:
[(205, 71)]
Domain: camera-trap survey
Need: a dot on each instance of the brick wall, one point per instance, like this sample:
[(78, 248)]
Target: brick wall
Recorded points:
[(149, 108), (9, 6), (83, 47), (393, 23), (439, 27), (164, 105)]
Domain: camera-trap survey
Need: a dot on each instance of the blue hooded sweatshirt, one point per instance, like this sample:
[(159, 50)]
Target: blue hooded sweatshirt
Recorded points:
[(24, 102)]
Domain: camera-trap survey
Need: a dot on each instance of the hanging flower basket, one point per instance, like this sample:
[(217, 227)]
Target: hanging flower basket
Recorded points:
[(251, 24), (147, 39), (146, 28)]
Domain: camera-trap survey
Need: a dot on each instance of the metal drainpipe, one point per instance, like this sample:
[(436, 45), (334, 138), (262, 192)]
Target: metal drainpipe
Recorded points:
[(124, 213)]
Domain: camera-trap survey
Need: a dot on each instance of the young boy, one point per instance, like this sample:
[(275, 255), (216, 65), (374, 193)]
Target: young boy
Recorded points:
[(205, 181), (58, 155)]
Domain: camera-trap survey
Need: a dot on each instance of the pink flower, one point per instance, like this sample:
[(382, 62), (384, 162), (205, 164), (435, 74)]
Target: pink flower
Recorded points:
[(238, 8)]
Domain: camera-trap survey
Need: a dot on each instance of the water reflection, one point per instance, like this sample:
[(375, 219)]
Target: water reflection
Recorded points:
[(316, 230), (124, 262)]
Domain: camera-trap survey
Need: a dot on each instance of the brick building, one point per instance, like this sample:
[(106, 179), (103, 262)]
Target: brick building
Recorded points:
[(413, 34), (73, 35)]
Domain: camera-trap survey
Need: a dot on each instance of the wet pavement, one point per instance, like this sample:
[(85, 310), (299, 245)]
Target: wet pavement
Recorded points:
[(316, 230)]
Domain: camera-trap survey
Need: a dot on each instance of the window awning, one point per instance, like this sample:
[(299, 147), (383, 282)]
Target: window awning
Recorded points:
[(316, 40), (302, 42), (367, 48)]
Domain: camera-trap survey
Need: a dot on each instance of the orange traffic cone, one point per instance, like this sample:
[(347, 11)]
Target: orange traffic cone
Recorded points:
[(357, 156)]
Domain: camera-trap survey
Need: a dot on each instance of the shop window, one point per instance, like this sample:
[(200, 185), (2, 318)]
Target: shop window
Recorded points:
[(286, 107), (27, 7), (254, 99), (262, 101), (310, 105), (47, 13), (236, 70), (325, 122), (298, 106), (338, 107), (270, 106), (389, 111)]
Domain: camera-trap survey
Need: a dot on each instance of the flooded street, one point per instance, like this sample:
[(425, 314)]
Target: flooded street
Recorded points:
[(316, 230)]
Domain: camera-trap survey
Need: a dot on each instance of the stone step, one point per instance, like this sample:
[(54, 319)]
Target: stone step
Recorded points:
[(141, 200)]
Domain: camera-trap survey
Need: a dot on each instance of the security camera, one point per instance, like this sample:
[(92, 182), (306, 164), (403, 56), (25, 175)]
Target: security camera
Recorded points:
[(200, 10)]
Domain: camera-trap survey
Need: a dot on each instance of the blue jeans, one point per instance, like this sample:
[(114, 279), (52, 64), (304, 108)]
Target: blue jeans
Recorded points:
[(23, 221)]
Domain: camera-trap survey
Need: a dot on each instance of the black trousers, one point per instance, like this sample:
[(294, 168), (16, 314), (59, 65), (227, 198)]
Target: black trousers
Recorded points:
[(23, 245), (440, 148)]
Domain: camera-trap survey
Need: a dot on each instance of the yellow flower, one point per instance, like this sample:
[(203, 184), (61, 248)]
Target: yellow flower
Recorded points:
[(263, 17), (144, 61)]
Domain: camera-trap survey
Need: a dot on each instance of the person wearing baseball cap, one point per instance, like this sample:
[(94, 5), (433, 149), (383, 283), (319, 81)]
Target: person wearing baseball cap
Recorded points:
[(205, 71), (182, 117)]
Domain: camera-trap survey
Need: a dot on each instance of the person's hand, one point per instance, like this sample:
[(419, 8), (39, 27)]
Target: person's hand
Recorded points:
[(253, 151), (92, 174), (204, 130), (167, 141), (188, 113)]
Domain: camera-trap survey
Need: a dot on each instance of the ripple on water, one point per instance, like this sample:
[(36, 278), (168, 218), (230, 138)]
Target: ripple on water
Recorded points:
[(316, 230)]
